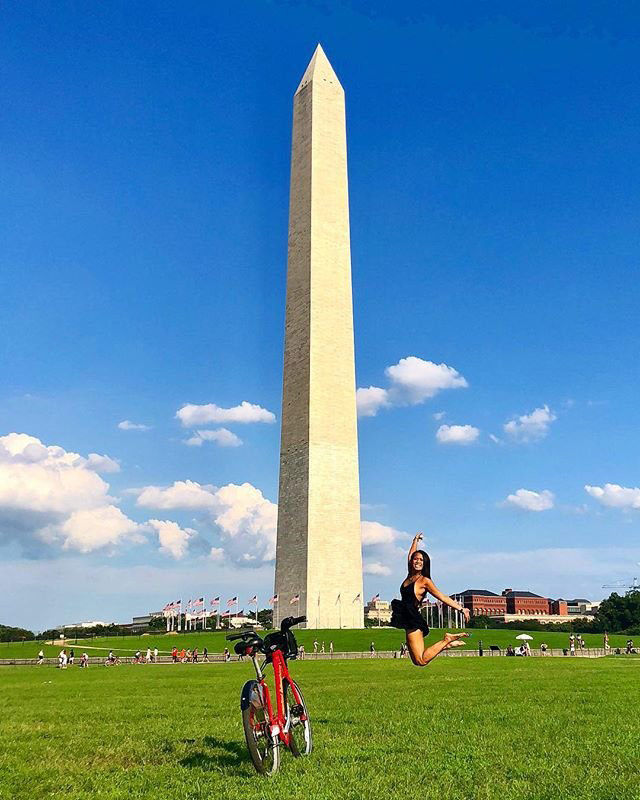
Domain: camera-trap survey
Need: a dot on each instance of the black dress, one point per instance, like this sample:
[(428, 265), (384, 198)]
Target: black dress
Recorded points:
[(405, 612)]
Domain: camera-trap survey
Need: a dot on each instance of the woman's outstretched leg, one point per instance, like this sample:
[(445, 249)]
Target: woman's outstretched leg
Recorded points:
[(421, 656)]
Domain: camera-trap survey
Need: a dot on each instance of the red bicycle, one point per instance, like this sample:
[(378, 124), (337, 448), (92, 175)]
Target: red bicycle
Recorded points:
[(265, 730)]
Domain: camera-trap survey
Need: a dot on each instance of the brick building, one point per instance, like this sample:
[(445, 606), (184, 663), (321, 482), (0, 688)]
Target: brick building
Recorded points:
[(483, 602), (526, 603)]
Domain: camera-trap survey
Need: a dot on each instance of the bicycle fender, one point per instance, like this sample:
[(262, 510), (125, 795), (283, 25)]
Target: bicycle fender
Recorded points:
[(245, 697)]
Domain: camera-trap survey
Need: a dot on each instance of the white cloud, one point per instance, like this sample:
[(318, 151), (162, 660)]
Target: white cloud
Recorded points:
[(216, 554), (192, 415), (375, 568), (439, 415), (615, 496), (495, 439), (530, 427), (370, 401), (374, 533), (412, 381), (49, 496), (528, 500), (182, 494), (457, 434), (245, 519), (100, 463), (174, 540), (127, 425), (221, 437)]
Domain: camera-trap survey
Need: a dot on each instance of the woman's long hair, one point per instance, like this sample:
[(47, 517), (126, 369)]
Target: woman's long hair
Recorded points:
[(426, 563)]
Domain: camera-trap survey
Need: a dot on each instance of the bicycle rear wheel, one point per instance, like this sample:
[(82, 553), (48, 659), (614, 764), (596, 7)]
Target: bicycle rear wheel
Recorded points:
[(263, 749), (301, 739)]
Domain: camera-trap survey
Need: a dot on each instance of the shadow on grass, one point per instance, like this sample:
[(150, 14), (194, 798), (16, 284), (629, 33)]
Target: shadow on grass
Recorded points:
[(221, 754)]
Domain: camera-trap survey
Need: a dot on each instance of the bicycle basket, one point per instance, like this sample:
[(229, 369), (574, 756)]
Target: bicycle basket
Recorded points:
[(284, 641)]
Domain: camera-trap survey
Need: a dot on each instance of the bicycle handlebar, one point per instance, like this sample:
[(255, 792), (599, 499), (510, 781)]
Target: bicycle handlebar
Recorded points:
[(289, 622)]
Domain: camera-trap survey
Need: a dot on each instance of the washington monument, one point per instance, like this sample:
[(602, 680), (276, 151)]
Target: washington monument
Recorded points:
[(318, 552)]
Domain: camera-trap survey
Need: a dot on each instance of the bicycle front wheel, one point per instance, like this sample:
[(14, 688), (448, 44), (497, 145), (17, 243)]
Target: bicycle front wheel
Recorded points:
[(300, 737), (262, 746)]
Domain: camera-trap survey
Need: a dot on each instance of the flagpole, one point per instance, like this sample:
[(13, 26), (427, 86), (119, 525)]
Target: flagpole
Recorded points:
[(256, 611)]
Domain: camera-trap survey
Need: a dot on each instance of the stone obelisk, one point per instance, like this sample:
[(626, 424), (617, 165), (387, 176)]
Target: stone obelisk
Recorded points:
[(318, 553)]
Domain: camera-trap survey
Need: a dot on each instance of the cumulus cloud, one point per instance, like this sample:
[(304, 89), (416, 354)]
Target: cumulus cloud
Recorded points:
[(49, 496), (174, 540), (370, 401), (100, 463), (528, 500), (375, 568), (127, 425), (530, 427), (192, 415), (412, 381), (615, 496), (180, 495), (457, 434), (374, 533), (222, 437), (244, 518)]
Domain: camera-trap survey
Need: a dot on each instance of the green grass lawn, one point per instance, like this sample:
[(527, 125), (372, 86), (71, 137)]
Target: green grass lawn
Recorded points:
[(461, 728), (384, 638)]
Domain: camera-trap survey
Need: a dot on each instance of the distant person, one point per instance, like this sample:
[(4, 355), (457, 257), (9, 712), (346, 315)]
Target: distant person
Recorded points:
[(155, 655), (41, 657), (195, 655), (72, 657), (137, 659), (572, 645), (84, 660), (605, 641), (148, 655), (322, 648), (227, 654), (629, 649), (205, 654), (62, 659), (406, 611), (543, 648), (372, 649), (301, 652), (330, 648), (174, 655), (315, 647)]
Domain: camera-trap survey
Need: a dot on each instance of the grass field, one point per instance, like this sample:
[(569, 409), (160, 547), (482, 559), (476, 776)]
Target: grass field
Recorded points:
[(384, 638), (462, 729)]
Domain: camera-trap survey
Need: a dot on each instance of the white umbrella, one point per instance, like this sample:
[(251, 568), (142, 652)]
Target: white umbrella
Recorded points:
[(524, 636)]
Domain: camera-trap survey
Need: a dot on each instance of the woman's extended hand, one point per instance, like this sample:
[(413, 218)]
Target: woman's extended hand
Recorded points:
[(418, 537)]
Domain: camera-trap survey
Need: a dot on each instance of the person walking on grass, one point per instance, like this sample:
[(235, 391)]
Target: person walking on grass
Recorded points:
[(155, 655), (205, 655), (406, 611), (41, 657)]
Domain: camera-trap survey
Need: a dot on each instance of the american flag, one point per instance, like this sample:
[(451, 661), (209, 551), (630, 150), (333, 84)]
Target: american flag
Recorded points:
[(215, 601), (199, 602), (254, 599), (273, 600), (294, 599), (232, 602), (374, 598), (225, 614)]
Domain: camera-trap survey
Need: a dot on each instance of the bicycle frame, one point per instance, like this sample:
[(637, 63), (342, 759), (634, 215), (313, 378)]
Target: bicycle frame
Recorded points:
[(278, 724)]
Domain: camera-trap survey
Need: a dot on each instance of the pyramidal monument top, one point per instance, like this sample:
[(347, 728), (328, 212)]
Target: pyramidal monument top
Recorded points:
[(319, 69)]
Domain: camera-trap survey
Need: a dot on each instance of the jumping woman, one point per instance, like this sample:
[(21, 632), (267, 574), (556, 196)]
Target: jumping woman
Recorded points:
[(406, 612)]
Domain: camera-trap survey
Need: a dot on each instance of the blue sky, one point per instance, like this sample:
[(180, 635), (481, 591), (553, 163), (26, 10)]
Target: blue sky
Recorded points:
[(493, 165)]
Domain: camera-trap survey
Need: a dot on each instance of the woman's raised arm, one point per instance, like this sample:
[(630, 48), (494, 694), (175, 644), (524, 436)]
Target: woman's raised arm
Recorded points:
[(414, 546)]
